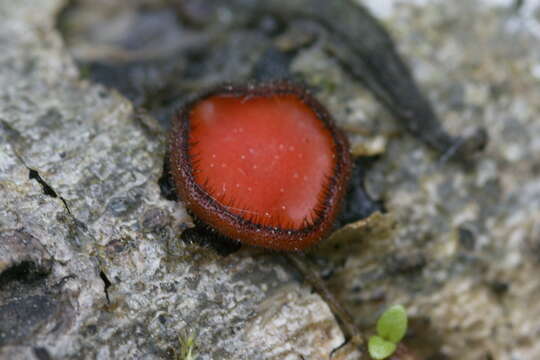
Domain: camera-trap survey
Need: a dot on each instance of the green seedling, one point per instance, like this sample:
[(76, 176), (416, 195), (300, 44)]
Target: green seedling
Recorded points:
[(187, 345), (391, 328)]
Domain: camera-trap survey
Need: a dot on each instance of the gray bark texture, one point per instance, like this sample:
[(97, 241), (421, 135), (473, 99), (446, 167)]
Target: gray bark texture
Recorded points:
[(92, 265)]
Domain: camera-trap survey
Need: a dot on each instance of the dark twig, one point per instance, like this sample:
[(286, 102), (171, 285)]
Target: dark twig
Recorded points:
[(345, 320)]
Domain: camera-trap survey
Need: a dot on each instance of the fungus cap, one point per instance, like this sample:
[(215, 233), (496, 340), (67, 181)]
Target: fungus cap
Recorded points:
[(264, 164)]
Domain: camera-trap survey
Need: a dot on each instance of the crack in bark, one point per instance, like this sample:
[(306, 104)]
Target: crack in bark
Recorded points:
[(47, 189), (107, 283)]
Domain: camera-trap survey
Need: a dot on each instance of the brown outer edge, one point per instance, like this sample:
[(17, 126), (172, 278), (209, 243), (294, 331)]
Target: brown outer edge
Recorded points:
[(234, 226)]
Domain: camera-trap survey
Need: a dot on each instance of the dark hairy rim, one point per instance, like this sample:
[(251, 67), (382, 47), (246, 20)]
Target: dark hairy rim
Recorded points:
[(217, 216)]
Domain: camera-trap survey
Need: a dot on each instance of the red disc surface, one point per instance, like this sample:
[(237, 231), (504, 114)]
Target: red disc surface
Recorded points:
[(263, 164), (265, 158)]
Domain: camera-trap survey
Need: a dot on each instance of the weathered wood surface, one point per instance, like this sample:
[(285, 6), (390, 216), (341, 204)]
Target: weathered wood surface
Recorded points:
[(91, 265)]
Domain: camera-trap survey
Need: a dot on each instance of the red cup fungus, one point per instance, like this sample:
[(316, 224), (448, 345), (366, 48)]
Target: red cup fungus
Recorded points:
[(263, 164)]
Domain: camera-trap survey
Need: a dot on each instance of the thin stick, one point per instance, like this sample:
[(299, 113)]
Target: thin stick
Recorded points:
[(345, 320)]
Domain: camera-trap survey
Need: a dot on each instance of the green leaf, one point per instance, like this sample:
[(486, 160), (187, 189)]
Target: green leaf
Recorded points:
[(392, 324), (379, 348)]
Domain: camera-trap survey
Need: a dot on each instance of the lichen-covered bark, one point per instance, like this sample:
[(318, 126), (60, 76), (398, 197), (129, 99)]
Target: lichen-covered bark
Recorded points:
[(91, 264)]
